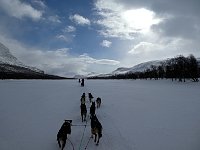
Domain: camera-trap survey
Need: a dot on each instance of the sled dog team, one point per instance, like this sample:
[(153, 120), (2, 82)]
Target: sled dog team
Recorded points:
[(96, 127)]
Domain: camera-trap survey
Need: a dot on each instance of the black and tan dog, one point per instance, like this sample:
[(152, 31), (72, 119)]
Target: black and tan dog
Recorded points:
[(62, 133), (98, 101), (96, 128)]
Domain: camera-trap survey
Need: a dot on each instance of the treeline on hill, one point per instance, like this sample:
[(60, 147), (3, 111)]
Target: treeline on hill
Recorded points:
[(28, 76), (179, 68), (16, 72)]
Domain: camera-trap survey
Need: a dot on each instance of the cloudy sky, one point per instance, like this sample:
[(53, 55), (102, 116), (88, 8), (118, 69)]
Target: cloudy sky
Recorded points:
[(81, 36)]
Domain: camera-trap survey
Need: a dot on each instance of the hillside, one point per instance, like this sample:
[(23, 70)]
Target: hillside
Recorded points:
[(12, 68), (139, 68)]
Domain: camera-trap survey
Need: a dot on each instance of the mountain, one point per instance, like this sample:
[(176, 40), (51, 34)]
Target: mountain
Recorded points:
[(12, 68), (7, 58), (143, 66), (138, 68), (92, 74), (123, 70)]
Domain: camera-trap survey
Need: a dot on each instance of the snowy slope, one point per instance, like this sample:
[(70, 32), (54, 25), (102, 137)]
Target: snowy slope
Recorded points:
[(6, 58), (92, 74), (138, 68), (135, 114), (141, 67)]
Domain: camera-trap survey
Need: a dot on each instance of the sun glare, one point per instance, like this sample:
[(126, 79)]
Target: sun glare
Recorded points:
[(140, 20)]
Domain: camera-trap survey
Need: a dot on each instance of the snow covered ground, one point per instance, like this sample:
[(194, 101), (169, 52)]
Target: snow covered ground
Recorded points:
[(135, 115)]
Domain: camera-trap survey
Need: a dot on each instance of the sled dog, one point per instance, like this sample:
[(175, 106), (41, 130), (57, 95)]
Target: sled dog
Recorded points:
[(96, 128), (62, 133)]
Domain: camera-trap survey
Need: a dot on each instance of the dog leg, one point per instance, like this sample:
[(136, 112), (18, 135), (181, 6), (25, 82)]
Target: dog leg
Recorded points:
[(95, 138), (85, 117), (82, 117), (63, 142), (97, 142), (91, 133), (59, 144)]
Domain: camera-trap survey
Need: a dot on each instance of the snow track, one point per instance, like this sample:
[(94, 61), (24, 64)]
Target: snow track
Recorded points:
[(135, 115), (112, 138)]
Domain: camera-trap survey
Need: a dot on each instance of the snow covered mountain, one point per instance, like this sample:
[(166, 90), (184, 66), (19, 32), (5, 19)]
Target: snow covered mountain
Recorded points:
[(138, 68), (12, 68), (92, 74), (6, 58)]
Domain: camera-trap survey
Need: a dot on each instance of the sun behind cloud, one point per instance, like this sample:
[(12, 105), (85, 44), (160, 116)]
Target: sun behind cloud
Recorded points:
[(117, 21), (140, 20)]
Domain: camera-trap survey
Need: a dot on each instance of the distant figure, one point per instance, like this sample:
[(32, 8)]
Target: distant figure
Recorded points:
[(92, 109), (83, 112), (96, 128), (90, 97), (79, 80), (82, 82), (98, 101)]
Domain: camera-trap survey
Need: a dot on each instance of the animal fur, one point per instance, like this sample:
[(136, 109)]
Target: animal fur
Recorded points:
[(83, 112), (98, 101), (83, 98), (92, 109), (62, 134), (90, 97), (96, 128)]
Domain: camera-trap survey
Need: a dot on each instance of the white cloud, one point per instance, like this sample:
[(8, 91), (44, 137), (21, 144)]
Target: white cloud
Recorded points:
[(143, 47), (63, 38), (59, 62), (89, 60), (158, 50), (107, 62), (62, 51), (69, 29), (80, 20), (18, 9), (120, 22), (39, 3), (106, 43), (54, 19)]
